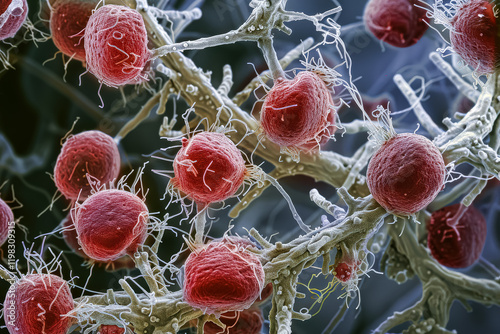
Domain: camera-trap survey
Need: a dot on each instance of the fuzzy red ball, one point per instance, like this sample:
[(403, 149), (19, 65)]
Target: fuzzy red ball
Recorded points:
[(68, 20), (406, 173), (223, 276), (13, 17), (344, 271), (299, 112), (111, 223), (397, 22), (208, 168), (248, 321), (6, 220), (111, 329), (4, 4), (475, 36), (116, 45), (71, 238), (456, 243), (39, 304), (90, 152)]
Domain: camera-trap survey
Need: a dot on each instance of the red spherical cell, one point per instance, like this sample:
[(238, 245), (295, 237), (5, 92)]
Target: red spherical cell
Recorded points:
[(71, 238), (38, 304), (110, 224), (299, 112), (474, 35), (12, 18), (248, 321), (208, 168), (343, 271), (111, 329), (399, 23), (90, 152), (116, 43), (406, 173), (456, 235), (68, 20), (265, 294), (222, 276), (6, 221), (4, 4)]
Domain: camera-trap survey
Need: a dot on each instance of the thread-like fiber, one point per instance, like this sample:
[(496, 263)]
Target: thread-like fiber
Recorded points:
[(41, 302), (92, 152), (299, 112), (6, 217), (456, 243), (111, 223), (12, 18), (474, 36), (406, 173), (116, 43), (68, 20), (208, 168), (223, 276), (248, 321), (397, 22)]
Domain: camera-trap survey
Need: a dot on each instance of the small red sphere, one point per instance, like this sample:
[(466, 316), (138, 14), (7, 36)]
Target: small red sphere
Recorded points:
[(116, 45), (208, 168), (110, 224), (38, 304), (474, 36), (248, 321), (111, 329), (399, 23), (90, 152), (299, 112), (223, 276), (71, 238), (68, 20), (6, 220), (12, 18), (406, 173), (456, 235)]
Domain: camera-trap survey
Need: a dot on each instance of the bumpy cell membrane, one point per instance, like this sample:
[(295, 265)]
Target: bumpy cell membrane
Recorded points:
[(68, 20), (41, 304), (208, 168), (116, 43), (110, 224), (475, 36), (399, 23), (456, 235), (91, 152), (12, 18), (223, 276)]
